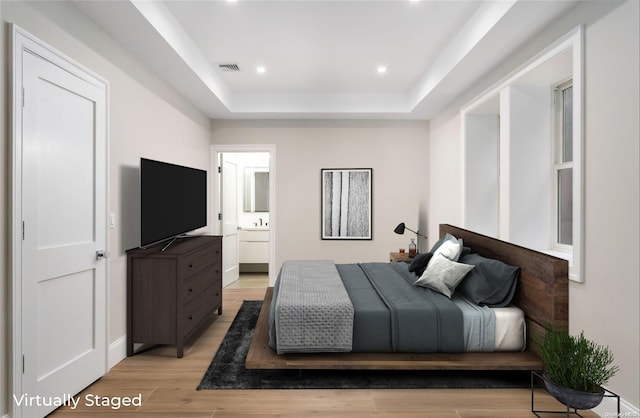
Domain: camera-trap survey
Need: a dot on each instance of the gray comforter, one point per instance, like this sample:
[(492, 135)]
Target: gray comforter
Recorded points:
[(313, 312), (393, 315)]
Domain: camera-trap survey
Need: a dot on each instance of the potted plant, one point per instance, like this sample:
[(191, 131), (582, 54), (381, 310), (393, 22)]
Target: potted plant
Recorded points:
[(576, 368)]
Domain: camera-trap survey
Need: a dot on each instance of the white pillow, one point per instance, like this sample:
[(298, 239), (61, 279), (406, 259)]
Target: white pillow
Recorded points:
[(450, 249), (443, 275)]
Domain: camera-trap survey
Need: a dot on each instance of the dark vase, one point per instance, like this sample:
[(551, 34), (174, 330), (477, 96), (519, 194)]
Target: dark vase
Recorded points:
[(573, 398)]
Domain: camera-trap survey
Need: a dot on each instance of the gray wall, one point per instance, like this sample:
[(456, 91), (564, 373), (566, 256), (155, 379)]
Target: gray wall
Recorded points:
[(605, 306), (146, 118), (395, 150)]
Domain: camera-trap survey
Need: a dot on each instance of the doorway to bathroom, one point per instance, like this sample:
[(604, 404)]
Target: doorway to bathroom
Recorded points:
[(244, 213)]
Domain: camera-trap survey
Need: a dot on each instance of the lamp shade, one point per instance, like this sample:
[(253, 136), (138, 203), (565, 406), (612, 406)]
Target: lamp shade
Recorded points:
[(401, 228)]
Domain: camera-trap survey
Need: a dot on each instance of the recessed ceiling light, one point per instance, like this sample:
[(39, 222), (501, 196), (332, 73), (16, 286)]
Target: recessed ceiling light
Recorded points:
[(382, 69), (261, 69)]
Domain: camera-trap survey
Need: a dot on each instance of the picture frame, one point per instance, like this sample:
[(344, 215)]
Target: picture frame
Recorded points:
[(346, 203)]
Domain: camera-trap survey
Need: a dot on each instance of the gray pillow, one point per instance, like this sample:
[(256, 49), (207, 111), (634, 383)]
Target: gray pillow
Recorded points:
[(443, 275), (491, 282), (419, 263)]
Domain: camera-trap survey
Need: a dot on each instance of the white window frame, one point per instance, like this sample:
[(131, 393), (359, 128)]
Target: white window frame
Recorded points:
[(573, 40), (558, 164)]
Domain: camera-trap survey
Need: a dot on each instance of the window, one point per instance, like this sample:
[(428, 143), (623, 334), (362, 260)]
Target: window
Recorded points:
[(522, 174), (563, 167)]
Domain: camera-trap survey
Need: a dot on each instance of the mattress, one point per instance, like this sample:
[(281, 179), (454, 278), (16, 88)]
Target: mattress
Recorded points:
[(510, 330)]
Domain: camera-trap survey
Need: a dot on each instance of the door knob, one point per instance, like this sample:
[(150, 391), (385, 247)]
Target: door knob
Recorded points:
[(100, 254)]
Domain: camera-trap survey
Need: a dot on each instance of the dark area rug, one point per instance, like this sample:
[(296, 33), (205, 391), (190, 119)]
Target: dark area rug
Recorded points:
[(227, 369)]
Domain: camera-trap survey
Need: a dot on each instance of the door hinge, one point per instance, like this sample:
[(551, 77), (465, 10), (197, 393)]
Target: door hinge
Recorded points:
[(23, 230), (22, 96), (219, 216), (219, 169), (23, 364)]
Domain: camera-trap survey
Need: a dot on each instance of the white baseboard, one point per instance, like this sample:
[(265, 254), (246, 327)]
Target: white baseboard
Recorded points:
[(609, 408), (117, 351)]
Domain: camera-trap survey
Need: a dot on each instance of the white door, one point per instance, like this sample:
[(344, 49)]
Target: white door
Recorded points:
[(63, 169), (229, 192)]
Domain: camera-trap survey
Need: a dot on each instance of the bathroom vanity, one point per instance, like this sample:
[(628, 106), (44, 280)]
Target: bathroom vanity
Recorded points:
[(254, 249)]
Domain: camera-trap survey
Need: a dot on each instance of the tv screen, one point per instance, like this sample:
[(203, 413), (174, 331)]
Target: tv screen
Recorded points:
[(173, 200)]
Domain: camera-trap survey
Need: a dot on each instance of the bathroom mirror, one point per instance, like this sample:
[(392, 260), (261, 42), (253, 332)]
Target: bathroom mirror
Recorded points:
[(256, 189)]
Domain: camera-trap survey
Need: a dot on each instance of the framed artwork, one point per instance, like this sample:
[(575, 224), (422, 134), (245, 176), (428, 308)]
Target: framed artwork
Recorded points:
[(346, 203)]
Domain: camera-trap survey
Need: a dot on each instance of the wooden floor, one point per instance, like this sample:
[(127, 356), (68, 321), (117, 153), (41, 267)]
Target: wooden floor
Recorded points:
[(250, 281), (168, 389)]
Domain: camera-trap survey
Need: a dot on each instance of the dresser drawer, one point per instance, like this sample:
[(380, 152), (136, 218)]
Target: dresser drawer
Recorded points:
[(199, 307), (198, 282), (217, 297), (198, 260)]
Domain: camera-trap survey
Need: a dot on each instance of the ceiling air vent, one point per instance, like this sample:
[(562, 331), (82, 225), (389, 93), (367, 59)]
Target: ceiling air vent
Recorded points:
[(229, 68)]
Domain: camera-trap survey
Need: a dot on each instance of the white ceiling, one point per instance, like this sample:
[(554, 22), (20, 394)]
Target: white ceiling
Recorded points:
[(321, 57)]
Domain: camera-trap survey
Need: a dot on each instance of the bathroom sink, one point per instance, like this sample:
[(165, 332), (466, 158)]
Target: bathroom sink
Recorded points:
[(255, 228)]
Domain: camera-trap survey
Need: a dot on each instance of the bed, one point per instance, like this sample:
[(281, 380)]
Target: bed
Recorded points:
[(541, 294)]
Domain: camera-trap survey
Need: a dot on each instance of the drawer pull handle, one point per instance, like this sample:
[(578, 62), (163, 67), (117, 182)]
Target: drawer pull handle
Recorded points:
[(190, 266), (190, 290), (190, 317)]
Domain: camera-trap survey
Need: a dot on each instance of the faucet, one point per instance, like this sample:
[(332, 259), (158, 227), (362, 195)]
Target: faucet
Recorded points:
[(260, 219)]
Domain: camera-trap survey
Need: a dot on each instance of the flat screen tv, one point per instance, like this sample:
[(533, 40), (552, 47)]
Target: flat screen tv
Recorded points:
[(173, 201)]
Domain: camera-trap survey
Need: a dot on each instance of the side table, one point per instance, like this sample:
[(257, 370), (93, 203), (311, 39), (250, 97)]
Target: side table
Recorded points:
[(400, 258)]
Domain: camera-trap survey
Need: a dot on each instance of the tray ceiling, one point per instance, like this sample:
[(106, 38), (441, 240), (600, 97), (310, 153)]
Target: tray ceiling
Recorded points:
[(322, 59)]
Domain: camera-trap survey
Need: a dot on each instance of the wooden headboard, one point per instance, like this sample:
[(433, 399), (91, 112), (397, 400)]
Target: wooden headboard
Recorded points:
[(542, 291)]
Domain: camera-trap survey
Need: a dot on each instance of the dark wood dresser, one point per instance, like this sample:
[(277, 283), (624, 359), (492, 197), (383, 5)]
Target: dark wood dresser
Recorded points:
[(172, 293)]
